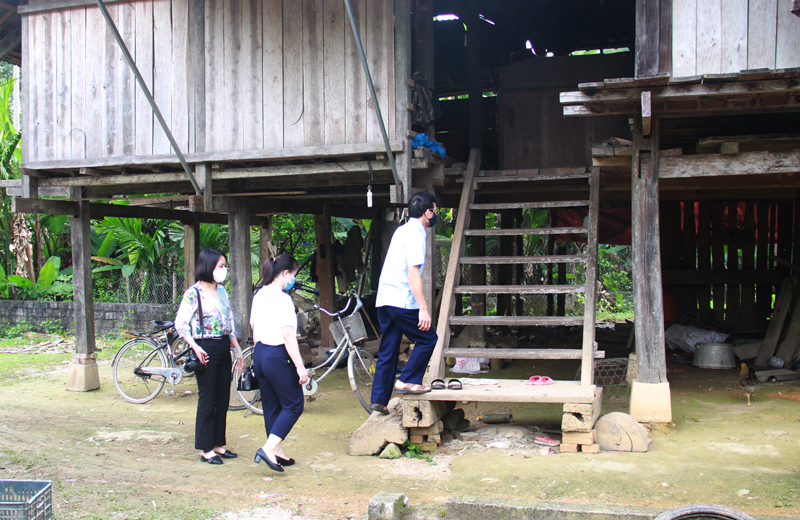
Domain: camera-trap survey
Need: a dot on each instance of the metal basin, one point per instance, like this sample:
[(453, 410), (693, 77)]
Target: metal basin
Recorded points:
[(714, 355)]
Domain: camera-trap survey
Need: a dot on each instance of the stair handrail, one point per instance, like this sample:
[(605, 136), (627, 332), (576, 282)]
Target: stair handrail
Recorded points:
[(453, 275)]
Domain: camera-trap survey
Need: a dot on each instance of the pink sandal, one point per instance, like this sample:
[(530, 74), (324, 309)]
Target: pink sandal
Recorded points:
[(544, 440), (539, 380)]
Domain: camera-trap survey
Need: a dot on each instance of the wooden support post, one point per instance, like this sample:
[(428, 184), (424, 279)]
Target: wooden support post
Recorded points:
[(474, 75), (203, 175), (82, 373), (430, 268), (191, 250), (377, 255), (647, 112), (650, 399), (267, 248), (30, 187), (402, 60), (240, 266), (423, 30), (325, 284)]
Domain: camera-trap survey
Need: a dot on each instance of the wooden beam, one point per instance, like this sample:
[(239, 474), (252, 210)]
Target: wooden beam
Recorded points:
[(191, 250), (402, 68), (59, 5), (241, 269), (204, 177), (745, 163), (280, 154), (647, 112), (82, 299), (10, 42), (98, 211)]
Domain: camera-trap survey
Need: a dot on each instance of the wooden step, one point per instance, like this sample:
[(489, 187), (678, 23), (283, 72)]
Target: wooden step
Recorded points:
[(552, 259), (520, 289), (523, 321), (520, 353), (525, 231), (531, 205), (512, 391)]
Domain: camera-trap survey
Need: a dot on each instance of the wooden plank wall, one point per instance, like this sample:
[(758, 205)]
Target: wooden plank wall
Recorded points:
[(722, 36), (692, 239), (278, 74)]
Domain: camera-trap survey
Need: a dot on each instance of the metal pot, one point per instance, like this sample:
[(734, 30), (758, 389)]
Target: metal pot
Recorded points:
[(714, 355)]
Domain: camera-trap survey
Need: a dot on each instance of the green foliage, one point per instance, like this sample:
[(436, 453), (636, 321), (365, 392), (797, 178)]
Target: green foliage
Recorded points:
[(45, 287), (414, 451)]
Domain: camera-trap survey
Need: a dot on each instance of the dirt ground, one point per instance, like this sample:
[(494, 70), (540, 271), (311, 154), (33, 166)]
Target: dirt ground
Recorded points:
[(108, 458)]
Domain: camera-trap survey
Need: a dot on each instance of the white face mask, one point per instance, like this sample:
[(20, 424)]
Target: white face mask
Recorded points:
[(220, 274)]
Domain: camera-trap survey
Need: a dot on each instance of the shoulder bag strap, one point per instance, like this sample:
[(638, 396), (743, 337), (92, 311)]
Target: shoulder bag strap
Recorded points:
[(200, 314)]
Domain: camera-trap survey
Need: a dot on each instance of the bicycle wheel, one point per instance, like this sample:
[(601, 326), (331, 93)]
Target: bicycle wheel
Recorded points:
[(135, 354), (703, 511), (251, 400), (179, 345), (361, 371)]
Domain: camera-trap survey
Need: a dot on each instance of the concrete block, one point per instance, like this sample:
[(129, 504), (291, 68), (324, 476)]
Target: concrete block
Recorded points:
[(422, 414), (569, 448), (387, 505), (437, 438), (651, 402), (477, 508), (576, 418), (82, 374), (429, 447), (416, 439), (437, 427), (590, 448)]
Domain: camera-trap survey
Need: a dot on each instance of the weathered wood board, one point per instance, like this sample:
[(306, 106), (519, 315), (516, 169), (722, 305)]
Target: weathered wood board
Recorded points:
[(779, 313), (273, 74)]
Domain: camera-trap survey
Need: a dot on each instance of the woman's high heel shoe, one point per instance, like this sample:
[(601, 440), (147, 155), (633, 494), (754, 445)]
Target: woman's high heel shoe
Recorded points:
[(284, 462), (272, 465)]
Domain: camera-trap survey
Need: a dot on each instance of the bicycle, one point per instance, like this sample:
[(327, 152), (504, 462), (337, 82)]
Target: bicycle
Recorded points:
[(348, 331), (143, 365)]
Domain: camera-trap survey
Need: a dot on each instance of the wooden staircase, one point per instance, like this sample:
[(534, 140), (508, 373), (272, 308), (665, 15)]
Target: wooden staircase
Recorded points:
[(563, 391)]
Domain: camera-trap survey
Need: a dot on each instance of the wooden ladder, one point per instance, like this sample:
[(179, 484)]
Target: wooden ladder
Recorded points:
[(452, 286)]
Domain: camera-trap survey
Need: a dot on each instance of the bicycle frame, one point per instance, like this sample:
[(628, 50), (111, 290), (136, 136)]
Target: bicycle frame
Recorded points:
[(162, 341)]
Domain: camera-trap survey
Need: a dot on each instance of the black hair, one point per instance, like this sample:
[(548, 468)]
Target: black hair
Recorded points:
[(206, 263), (274, 266), (419, 203)]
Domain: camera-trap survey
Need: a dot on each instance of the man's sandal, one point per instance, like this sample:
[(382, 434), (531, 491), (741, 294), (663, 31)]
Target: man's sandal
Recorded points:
[(381, 409), (454, 384), (437, 384), (410, 388)]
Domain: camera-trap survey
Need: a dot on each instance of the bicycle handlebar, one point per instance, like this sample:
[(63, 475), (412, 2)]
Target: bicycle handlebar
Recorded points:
[(350, 298)]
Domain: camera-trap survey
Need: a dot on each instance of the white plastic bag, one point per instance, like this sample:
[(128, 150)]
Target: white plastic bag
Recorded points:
[(466, 366), (687, 338)]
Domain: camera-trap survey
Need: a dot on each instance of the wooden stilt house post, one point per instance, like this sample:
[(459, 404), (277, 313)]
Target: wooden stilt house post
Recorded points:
[(82, 373), (191, 249), (650, 397), (240, 266), (326, 282)]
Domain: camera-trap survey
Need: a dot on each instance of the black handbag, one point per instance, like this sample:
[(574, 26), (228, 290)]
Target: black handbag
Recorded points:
[(247, 381)]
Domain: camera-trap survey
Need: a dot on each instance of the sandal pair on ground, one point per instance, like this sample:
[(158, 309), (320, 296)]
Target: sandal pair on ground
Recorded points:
[(453, 384), (410, 388)]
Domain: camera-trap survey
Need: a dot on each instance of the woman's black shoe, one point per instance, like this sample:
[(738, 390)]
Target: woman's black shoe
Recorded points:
[(227, 455), (211, 460), (272, 465), (284, 462)]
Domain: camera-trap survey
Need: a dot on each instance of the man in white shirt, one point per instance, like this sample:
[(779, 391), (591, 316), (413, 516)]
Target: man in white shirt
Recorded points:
[(401, 306)]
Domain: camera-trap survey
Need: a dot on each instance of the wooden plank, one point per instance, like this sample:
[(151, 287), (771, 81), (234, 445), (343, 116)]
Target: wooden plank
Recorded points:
[(521, 321), (525, 231), (748, 263), (335, 24), (47, 134), (24, 110), (280, 154), (162, 71), (58, 5), (181, 71), (399, 92), (762, 30), (790, 342), (356, 94), (378, 56), (215, 76), (763, 290), (520, 289), (732, 296), (718, 262), (96, 49), (143, 54), (250, 73), (63, 97), (745, 163), (197, 76), (648, 37), (272, 64), (709, 32), (505, 260), (111, 109), (518, 353), (313, 74), (647, 111), (293, 116), (453, 273), (590, 305), (510, 391), (783, 301), (126, 90), (689, 252), (704, 256), (531, 205), (733, 38), (787, 45), (232, 137)]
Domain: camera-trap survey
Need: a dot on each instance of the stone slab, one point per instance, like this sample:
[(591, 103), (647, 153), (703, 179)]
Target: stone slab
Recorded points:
[(476, 508), (387, 505)]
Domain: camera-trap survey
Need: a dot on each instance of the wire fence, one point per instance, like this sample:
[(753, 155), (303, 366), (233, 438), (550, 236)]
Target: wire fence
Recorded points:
[(149, 288)]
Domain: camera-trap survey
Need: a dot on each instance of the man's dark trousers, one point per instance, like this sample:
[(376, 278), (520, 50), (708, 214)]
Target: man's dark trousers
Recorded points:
[(394, 323)]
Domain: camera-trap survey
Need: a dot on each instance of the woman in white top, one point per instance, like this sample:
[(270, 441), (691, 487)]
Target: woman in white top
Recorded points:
[(277, 362), (212, 344)]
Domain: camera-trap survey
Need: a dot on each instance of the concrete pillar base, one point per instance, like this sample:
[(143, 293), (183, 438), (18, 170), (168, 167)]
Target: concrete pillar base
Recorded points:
[(651, 402), (82, 373)]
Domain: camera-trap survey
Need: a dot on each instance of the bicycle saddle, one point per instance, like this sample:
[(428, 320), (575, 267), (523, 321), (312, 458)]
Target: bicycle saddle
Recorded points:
[(161, 325)]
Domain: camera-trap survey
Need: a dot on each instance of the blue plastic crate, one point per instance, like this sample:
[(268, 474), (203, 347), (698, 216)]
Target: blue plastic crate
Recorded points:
[(26, 500)]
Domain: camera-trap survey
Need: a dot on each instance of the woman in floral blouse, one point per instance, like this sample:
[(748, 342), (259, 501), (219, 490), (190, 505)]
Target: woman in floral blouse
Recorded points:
[(212, 346)]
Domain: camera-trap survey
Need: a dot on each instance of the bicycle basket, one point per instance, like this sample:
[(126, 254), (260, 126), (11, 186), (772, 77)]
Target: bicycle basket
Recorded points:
[(357, 331)]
